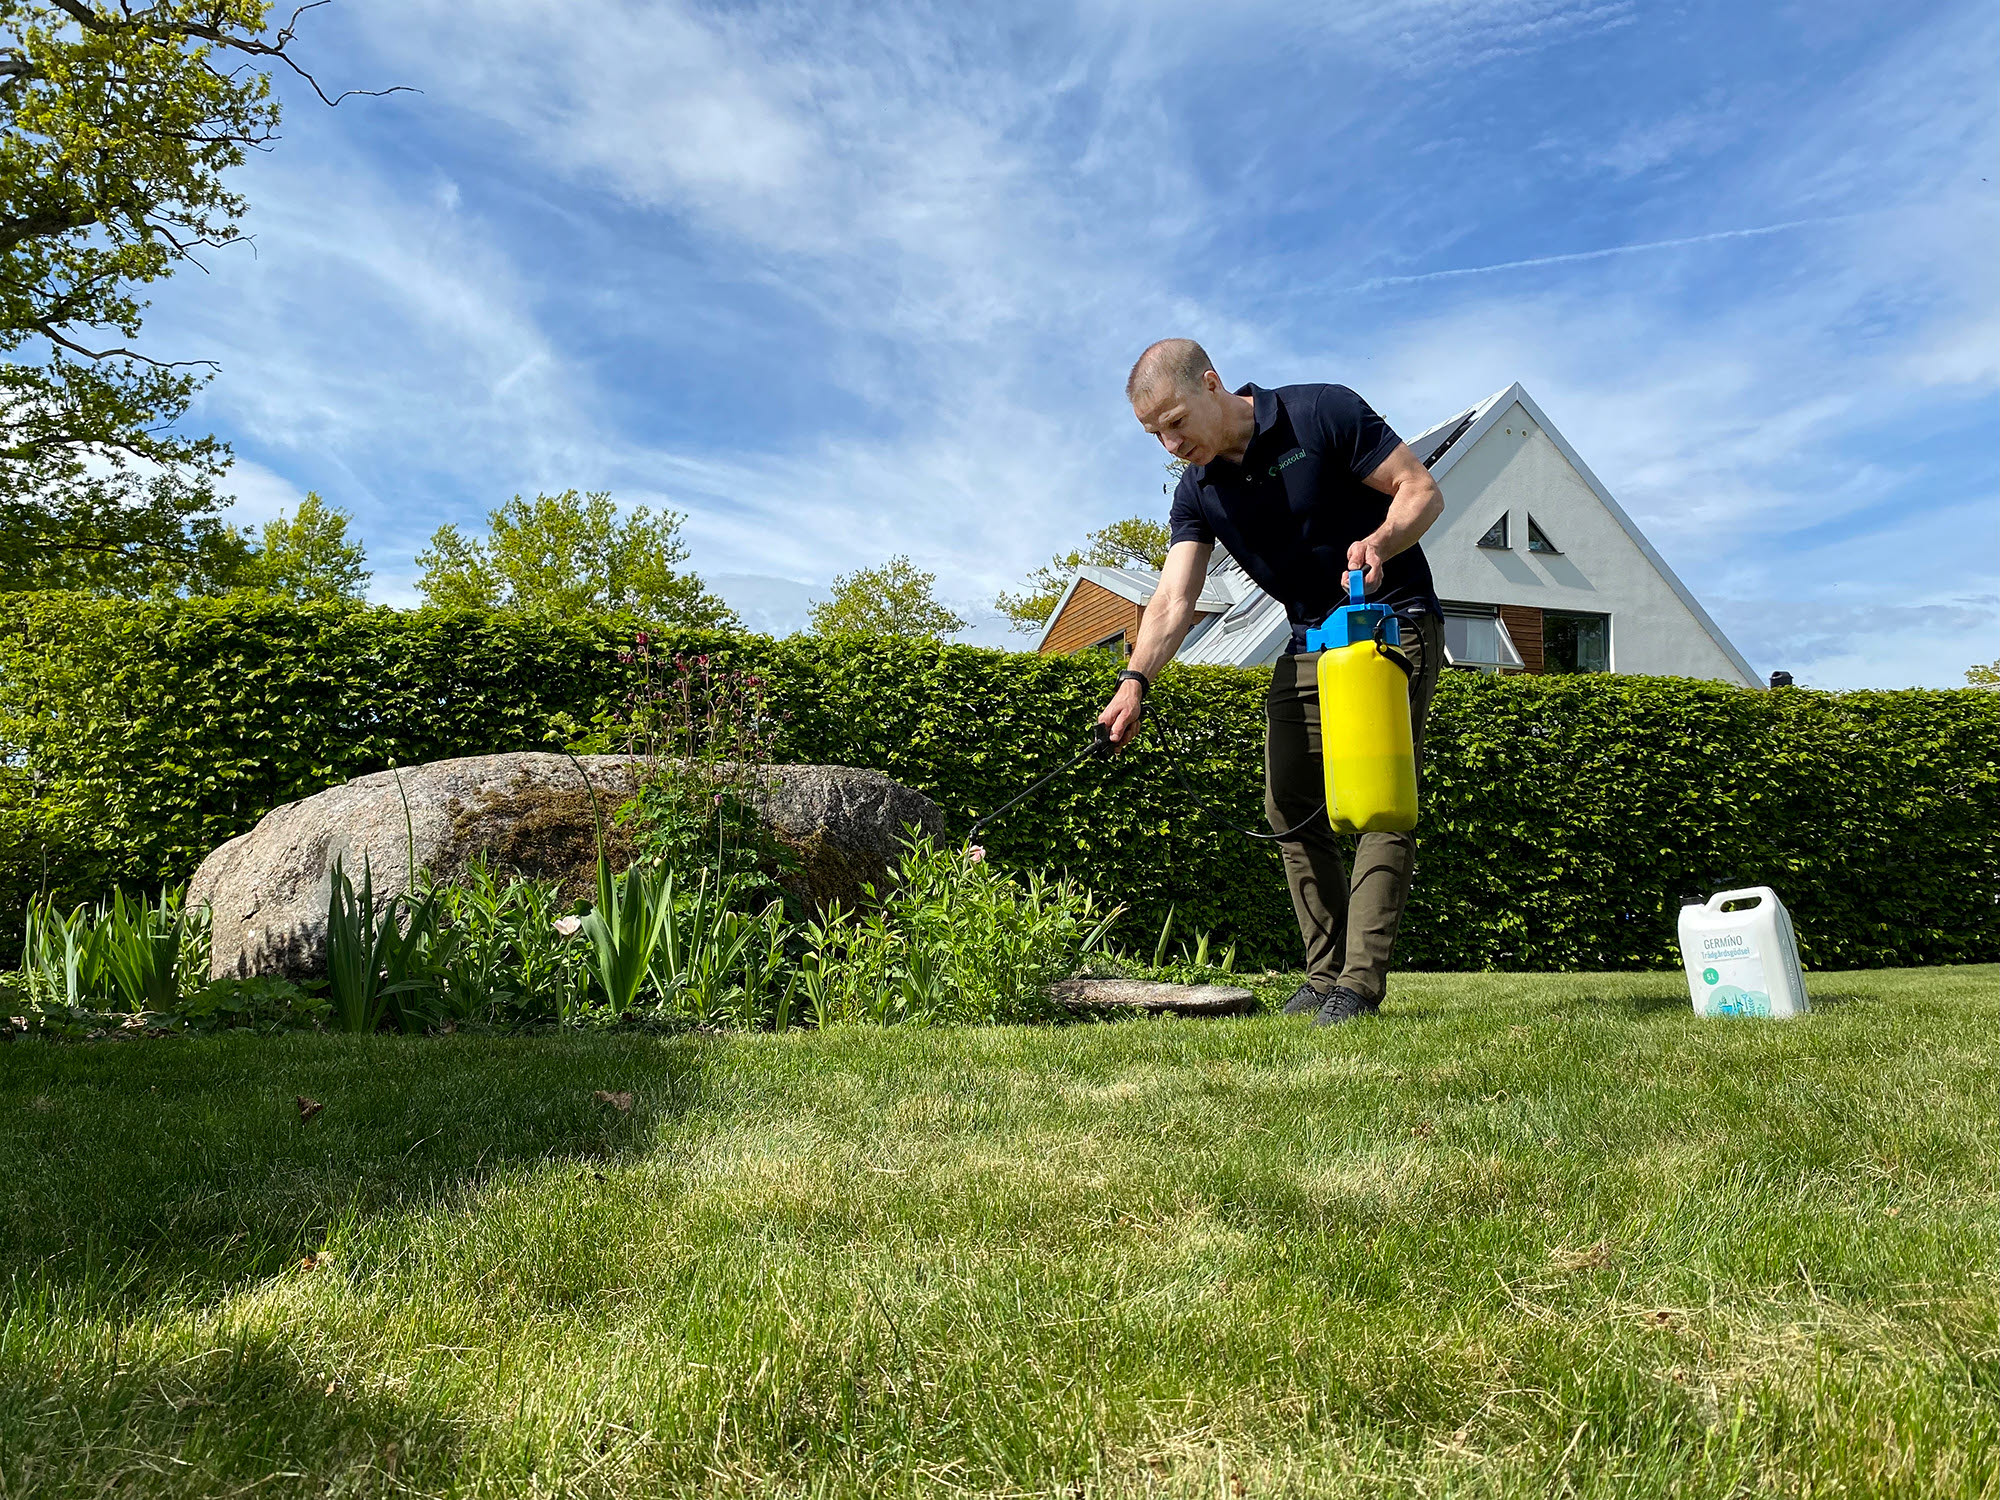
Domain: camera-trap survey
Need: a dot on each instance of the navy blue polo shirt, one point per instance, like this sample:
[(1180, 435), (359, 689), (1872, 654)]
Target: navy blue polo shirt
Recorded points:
[(1289, 511)]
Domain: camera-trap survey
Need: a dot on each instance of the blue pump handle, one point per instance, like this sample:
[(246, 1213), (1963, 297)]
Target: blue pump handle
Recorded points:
[(1356, 621)]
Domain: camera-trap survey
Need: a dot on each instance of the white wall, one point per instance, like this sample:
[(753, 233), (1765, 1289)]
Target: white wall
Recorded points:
[(1513, 466)]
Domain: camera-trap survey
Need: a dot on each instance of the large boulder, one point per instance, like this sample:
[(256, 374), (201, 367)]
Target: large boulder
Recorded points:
[(527, 814)]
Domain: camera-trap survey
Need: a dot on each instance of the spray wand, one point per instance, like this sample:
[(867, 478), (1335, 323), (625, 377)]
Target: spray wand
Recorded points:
[(1099, 747)]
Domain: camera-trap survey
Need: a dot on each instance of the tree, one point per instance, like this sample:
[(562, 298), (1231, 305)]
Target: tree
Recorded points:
[(571, 554), (1134, 543), (308, 556), (1983, 676), (894, 600), (120, 119)]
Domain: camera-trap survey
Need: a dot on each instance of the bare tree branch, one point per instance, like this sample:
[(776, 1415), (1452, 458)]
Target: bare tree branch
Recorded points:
[(49, 333), (217, 35)]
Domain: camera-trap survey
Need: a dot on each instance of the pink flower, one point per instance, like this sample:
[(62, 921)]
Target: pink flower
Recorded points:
[(642, 638), (975, 855), (718, 799), (625, 656), (568, 926)]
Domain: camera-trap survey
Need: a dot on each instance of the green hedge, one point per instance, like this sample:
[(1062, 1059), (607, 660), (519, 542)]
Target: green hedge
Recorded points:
[(1564, 817)]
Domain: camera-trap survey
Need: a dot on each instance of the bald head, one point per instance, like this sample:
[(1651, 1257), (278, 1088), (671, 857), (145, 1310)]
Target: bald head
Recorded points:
[(1170, 365), (1178, 398)]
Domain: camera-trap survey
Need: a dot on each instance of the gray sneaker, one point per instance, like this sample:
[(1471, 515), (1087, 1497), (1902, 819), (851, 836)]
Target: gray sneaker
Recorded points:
[(1341, 1006), (1306, 1001)]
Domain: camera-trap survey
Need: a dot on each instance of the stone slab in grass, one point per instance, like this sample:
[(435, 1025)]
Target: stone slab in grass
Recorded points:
[(1154, 999)]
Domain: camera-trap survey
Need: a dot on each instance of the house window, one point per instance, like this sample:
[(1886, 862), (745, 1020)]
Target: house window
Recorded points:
[(1475, 637), (1115, 644), (1538, 540), (1496, 534), (1575, 643)]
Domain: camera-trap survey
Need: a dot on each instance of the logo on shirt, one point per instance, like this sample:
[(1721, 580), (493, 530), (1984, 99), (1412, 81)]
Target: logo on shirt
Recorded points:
[(1288, 460)]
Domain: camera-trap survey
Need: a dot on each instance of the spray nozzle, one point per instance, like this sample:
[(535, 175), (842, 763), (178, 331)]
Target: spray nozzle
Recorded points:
[(1101, 740)]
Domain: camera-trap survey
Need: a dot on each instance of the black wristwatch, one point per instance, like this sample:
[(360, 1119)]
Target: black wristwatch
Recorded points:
[(1145, 682)]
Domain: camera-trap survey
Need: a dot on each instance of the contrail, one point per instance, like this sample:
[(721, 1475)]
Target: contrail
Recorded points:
[(1558, 260)]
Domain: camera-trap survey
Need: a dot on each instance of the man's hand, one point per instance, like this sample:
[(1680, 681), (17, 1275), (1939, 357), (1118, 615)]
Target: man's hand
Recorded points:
[(1364, 557), (1123, 713)]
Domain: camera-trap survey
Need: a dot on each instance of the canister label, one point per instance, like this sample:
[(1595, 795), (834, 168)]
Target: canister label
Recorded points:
[(1732, 974)]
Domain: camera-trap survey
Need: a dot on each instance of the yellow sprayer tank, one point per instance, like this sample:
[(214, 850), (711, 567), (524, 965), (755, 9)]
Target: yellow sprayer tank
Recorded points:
[(1364, 716)]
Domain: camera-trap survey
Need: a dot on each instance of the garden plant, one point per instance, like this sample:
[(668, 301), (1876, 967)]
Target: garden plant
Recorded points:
[(697, 932)]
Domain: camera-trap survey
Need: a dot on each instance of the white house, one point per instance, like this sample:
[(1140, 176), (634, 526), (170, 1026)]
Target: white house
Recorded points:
[(1538, 567)]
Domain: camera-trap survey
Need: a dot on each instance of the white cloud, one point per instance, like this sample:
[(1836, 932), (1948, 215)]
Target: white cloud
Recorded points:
[(943, 232), (766, 604), (1863, 642), (259, 494), (1427, 37), (1661, 143)]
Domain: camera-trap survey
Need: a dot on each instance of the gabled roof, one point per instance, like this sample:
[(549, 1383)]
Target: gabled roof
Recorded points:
[(1138, 585), (1219, 591), (1432, 441), (1490, 411)]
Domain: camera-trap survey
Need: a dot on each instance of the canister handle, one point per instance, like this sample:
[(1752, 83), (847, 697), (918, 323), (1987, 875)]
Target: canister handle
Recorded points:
[(1357, 587), (1722, 898)]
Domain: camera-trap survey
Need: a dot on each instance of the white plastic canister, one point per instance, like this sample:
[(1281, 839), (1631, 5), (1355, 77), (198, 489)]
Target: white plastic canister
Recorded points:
[(1742, 955)]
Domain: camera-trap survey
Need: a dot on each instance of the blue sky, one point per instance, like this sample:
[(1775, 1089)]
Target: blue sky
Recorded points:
[(841, 281)]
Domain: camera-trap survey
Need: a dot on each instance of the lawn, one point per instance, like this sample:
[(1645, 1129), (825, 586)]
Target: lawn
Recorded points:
[(1524, 1235)]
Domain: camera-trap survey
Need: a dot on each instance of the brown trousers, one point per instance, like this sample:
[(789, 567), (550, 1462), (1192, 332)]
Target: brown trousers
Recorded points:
[(1348, 923)]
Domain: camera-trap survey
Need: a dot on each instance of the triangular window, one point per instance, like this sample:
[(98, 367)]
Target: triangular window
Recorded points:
[(1496, 534), (1538, 539)]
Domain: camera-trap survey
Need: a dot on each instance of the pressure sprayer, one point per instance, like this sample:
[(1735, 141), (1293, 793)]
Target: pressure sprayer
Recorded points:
[(1364, 716)]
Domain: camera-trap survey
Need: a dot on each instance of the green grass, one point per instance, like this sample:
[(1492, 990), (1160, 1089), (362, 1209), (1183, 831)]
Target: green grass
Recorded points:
[(1522, 1236)]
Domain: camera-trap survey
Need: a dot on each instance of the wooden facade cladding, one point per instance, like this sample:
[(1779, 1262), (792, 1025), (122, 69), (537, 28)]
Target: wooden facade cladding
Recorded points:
[(1093, 614), (1524, 624)]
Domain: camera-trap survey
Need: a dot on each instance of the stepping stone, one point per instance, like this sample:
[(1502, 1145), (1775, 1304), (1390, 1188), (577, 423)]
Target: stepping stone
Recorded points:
[(1153, 999)]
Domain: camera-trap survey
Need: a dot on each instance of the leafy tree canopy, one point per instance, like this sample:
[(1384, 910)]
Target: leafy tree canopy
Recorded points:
[(1138, 542), (571, 554), (118, 121), (307, 556), (895, 599), (1984, 676)]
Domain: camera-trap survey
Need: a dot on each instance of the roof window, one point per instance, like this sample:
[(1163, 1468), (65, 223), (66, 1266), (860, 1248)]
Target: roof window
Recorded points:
[(1241, 611), (1538, 540), (1496, 534)]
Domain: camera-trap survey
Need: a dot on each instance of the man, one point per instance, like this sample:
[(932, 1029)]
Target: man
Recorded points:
[(1301, 484)]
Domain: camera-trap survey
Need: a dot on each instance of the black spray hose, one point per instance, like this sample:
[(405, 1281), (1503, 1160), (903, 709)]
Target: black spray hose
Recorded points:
[(1180, 779), (1396, 653), (1100, 747)]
